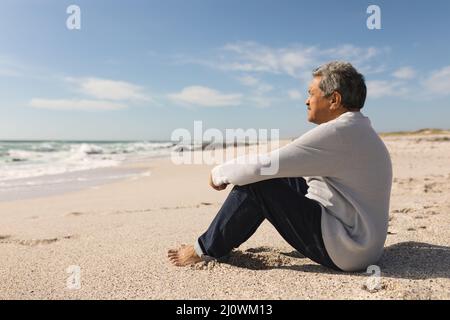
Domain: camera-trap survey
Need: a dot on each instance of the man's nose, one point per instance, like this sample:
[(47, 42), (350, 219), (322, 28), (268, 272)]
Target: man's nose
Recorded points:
[(307, 102)]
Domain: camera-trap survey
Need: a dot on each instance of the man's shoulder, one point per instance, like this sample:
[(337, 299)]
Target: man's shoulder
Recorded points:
[(325, 133)]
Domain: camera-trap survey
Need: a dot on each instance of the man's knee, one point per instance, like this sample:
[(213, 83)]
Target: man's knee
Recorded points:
[(246, 188), (263, 186)]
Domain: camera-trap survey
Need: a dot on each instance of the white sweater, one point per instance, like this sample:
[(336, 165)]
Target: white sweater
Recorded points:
[(349, 172)]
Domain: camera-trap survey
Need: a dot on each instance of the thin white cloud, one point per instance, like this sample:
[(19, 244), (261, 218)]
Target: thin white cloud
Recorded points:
[(379, 88), (436, 83), (107, 94), (404, 73), (263, 88), (367, 69), (258, 96), (439, 82), (295, 94), (353, 53), (295, 60), (205, 97), (253, 57), (386, 88), (248, 80), (75, 104), (109, 89), (259, 101), (10, 68), (9, 72), (258, 86)]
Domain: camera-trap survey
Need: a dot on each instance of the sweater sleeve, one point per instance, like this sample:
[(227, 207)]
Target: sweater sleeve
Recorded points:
[(319, 152)]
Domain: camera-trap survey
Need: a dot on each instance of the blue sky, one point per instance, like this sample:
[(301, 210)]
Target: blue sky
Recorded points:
[(141, 69)]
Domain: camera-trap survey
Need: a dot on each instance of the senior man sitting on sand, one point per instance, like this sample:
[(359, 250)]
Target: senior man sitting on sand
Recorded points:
[(330, 197)]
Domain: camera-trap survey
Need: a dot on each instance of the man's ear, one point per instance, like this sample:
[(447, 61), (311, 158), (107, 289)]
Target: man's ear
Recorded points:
[(336, 99)]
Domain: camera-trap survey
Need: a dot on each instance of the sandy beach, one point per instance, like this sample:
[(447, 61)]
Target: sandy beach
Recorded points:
[(118, 235)]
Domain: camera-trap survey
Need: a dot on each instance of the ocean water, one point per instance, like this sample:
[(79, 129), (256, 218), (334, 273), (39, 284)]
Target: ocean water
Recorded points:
[(33, 168)]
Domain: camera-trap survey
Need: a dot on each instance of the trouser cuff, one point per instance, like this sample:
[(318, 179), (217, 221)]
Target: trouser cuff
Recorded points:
[(199, 251)]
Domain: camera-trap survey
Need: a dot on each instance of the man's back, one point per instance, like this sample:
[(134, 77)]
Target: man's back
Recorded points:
[(355, 198)]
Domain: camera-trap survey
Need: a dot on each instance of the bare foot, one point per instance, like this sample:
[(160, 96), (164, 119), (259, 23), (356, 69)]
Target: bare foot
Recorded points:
[(183, 256)]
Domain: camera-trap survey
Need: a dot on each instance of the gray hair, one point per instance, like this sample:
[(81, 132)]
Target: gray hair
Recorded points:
[(342, 77)]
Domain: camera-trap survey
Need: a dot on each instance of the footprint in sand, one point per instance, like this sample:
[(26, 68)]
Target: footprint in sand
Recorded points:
[(399, 181), (259, 249), (36, 242), (403, 210), (160, 208), (431, 187), (33, 242), (184, 207), (75, 214)]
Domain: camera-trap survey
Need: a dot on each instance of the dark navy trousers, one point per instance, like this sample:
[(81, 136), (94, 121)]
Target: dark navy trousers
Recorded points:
[(282, 201)]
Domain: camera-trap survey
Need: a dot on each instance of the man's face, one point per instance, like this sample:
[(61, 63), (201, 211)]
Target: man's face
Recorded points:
[(318, 106)]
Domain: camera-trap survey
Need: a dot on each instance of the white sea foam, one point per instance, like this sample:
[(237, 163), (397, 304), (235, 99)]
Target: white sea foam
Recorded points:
[(21, 160)]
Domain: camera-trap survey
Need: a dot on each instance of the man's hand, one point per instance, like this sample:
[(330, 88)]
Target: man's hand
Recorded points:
[(218, 188)]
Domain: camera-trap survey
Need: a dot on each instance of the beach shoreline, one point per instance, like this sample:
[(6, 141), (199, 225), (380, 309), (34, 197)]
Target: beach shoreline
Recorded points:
[(131, 167)]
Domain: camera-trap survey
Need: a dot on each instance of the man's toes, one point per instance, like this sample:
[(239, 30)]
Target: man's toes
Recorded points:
[(175, 257), (173, 260), (179, 264), (180, 257), (172, 253)]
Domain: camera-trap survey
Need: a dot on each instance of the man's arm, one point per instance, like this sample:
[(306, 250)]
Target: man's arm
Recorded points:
[(319, 152)]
